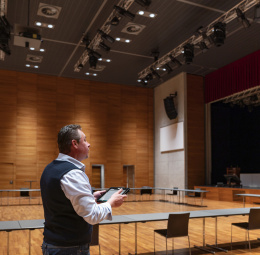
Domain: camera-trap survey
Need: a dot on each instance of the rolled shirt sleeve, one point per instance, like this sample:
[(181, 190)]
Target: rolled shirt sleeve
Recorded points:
[(76, 187)]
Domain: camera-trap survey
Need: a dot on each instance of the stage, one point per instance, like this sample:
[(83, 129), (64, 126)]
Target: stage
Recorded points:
[(229, 193)]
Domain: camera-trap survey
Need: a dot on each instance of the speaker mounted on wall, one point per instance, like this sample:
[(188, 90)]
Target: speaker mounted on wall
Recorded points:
[(170, 106)]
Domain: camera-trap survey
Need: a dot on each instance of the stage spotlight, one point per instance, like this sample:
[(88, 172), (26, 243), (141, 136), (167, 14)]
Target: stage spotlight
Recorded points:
[(92, 52), (105, 36), (219, 33), (155, 73), (242, 18), (148, 77), (93, 61), (104, 46), (203, 46), (257, 13), (175, 61), (80, 66), (124, 12), (143, 3), (115, 21), (188, 53), (168, 68)]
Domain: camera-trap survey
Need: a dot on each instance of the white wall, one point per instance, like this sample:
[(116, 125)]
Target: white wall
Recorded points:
[(169, 168)]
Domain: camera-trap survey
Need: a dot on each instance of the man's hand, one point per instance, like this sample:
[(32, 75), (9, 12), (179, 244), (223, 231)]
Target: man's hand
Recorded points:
[(98, 194), (117, 199)]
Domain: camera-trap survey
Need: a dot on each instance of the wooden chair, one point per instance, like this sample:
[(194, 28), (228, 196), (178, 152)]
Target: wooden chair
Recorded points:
[(174, 193), (146, 190), (178, 226), (253, 223)]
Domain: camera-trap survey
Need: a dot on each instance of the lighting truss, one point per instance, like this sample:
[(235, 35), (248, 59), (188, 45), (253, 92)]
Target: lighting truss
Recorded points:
[(94, 44), (196, 39)]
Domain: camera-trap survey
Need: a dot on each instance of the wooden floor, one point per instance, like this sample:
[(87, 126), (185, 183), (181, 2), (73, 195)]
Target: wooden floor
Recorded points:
[(109, 234)]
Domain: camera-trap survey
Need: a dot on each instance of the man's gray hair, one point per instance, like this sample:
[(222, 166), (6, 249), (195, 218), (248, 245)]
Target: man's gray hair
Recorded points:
[(66, 135)]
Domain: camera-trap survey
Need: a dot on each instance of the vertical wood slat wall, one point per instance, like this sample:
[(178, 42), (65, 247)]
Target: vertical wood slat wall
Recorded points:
[(195, 131), (117, 120)]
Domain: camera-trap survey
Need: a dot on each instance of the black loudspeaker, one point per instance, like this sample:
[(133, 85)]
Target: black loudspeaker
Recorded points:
[(170, 107)]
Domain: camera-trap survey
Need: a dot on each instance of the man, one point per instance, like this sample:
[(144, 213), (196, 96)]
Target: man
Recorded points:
[(70, 209)]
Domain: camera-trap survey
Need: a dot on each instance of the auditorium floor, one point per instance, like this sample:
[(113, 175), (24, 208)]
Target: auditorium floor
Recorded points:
[(109, 234)]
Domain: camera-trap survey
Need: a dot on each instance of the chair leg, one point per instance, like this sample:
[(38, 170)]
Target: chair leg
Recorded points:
[(249, 240), (154, 242), (166, 246), (173, 245), (189, 245), (231, 239)]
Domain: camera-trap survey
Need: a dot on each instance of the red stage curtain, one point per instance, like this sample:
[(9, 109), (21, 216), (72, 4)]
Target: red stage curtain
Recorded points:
[(235, 77)]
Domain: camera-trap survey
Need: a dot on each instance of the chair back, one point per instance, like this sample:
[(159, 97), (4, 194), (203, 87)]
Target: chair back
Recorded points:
[(174, 192), (146, 190), (95, 235), (254, 218), (178, 225)]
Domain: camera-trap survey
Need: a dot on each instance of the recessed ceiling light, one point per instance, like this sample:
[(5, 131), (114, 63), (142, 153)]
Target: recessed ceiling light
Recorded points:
[(108, 60), (127, 41), (139, 80), (44, 25), (117, 39), (94, 74), (87, 73), (36, 66), (27, 65), (146, 14), (100, 59), (31, 48), (42, 50)]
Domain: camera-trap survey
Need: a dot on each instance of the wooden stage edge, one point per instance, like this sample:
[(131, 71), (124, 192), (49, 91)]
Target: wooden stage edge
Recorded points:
[(229, 193)]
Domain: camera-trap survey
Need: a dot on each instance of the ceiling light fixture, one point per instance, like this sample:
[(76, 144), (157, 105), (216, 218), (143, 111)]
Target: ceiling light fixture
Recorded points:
[(115, 21), (155, 73), (124, 12), (105, 36), (203, 46), (104, 46), (175, 61), (144, 3), (188, 53), (219, 33), (168, 68), (242, 18), (93, 61), (257, 13)]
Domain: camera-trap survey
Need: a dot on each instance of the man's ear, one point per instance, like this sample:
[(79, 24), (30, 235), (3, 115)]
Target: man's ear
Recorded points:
[(74, 143)]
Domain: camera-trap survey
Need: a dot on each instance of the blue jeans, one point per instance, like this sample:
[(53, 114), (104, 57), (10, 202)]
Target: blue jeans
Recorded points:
[(49, 249)]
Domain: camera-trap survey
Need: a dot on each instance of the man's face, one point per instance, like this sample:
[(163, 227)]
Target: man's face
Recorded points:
[(83, 146)]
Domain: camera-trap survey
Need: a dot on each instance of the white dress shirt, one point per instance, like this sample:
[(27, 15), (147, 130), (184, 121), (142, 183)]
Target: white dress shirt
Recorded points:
[(76, 187)]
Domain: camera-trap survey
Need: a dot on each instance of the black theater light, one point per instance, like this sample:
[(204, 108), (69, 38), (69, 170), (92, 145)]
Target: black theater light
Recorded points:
[(168, 68), (257, 13), (148, 77), (155, 73), (219, 33), (124, 12), (93, 61), (188, 53), (115, 21), (94, 53), (203, 46), (80, 66), (175, 61), (105, 36), (143, 3), (242, 18), (104, 46)]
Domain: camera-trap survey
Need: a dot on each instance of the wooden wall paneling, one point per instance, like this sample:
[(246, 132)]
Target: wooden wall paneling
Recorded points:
[(195, 131), (142, 159), (98, 124), (128, 125), (65, 102), (151, 137), (26, 143), (8, 102), (47, 149), (82, 115), (114, 169)]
